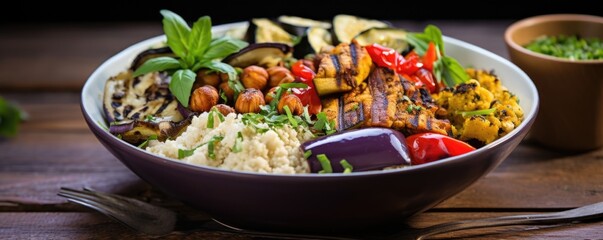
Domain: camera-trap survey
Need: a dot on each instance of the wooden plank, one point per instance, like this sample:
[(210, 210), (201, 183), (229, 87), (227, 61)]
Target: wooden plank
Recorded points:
[(532, 177), (61, 57), (49, 111), (59, 225)]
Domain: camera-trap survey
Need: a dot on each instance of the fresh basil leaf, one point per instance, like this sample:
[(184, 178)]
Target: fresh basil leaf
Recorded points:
[(10, 117), (181, 85), (454, 72), (157, 64), (222, 47), (177, 32), (221, 67), (200, 37), (435, 35)]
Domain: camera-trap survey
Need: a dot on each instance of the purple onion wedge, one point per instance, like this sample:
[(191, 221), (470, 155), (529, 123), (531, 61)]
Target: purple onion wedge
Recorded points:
[(365, 149)]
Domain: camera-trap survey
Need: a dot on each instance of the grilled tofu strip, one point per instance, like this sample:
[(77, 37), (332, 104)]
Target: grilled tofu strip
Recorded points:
[(393, 102), (344, 68)]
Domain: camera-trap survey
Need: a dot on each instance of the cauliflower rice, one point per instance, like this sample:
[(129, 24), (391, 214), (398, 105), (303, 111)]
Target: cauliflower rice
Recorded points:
[(274, 151)]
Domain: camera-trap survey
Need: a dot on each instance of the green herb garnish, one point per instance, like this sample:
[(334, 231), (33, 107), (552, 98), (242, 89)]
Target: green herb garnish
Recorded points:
[(195, 49), (569, 47), (211, 146), (237, 147), (149, 118), (476, 112), (445, 68), (307, 154), (325, 163), (146, 142), (290, 116), (293, 85), (347, 167), (323, 124)]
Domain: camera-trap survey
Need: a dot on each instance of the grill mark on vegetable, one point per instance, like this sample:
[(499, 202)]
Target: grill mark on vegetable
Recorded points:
[(425, 97), (337, 66), (428, 124), (115, 104), (340, 114), (168, 100), (353, 53), (414, 120), (378, 93)]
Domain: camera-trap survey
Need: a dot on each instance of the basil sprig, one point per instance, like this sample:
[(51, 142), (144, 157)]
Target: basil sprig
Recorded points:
[(195, 49), (445, 68)]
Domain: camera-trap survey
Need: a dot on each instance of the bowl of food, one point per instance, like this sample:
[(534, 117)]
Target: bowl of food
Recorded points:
[(353, 135), (563, 55)]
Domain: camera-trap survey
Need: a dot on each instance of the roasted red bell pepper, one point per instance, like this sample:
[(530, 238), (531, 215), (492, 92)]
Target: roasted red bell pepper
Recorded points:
[(429, 147), (412, 66), (430, 57), (308, 96)]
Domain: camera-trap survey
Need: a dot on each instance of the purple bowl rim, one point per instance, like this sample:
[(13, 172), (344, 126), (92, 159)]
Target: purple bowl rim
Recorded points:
[(524, 125)]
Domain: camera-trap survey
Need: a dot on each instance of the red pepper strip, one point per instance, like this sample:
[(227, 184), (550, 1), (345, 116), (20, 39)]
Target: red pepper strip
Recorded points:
[(308, 96), (426, 78), (410, 65), (383, 56), (430, 57), (429, 147)]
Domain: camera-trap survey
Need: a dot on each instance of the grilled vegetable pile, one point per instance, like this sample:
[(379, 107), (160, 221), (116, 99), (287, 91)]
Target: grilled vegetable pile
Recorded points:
[(361, 85)]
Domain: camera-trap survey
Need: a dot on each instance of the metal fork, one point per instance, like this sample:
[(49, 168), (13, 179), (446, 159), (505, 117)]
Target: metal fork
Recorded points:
[(154, 220)]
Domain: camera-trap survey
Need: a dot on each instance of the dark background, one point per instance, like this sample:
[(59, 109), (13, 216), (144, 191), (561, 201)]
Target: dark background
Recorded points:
[(22, 11)]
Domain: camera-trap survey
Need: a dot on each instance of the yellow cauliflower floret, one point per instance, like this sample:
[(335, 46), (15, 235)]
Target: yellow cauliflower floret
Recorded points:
[(508, 111), (487, 80), (470, 96), (482, 128)]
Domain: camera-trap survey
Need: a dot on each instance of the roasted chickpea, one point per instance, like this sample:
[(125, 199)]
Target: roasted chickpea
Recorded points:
[(293, 102), (270, 94), (254, 77), (204, 98), (207, 77), (227, 90), (224, 109), (279, 75), (249, 101)]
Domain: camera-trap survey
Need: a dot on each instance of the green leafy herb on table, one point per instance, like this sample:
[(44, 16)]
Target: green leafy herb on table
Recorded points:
[(445, 68), (10, 118), (195, 49)]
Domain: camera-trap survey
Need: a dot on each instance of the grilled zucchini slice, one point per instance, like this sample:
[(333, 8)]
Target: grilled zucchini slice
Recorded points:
[(346, 27), (389, 37)]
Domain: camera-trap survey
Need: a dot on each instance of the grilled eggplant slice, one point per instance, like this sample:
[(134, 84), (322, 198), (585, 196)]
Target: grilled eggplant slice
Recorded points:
[(389, 37), (261, 54), (343, 69), (262, 30), (128, 98), (299, 26), (151, 53), (346, 27), (141, 107), (137, 131)]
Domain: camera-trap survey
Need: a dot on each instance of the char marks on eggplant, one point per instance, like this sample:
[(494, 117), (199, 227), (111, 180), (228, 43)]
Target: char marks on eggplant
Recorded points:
[(138, 108)]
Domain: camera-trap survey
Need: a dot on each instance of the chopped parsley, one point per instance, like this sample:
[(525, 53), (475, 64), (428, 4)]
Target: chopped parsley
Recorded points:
[(237, 147), (146, 142)]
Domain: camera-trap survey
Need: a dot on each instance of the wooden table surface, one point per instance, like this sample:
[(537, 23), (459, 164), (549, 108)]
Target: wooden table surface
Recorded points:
[(43, 68)]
